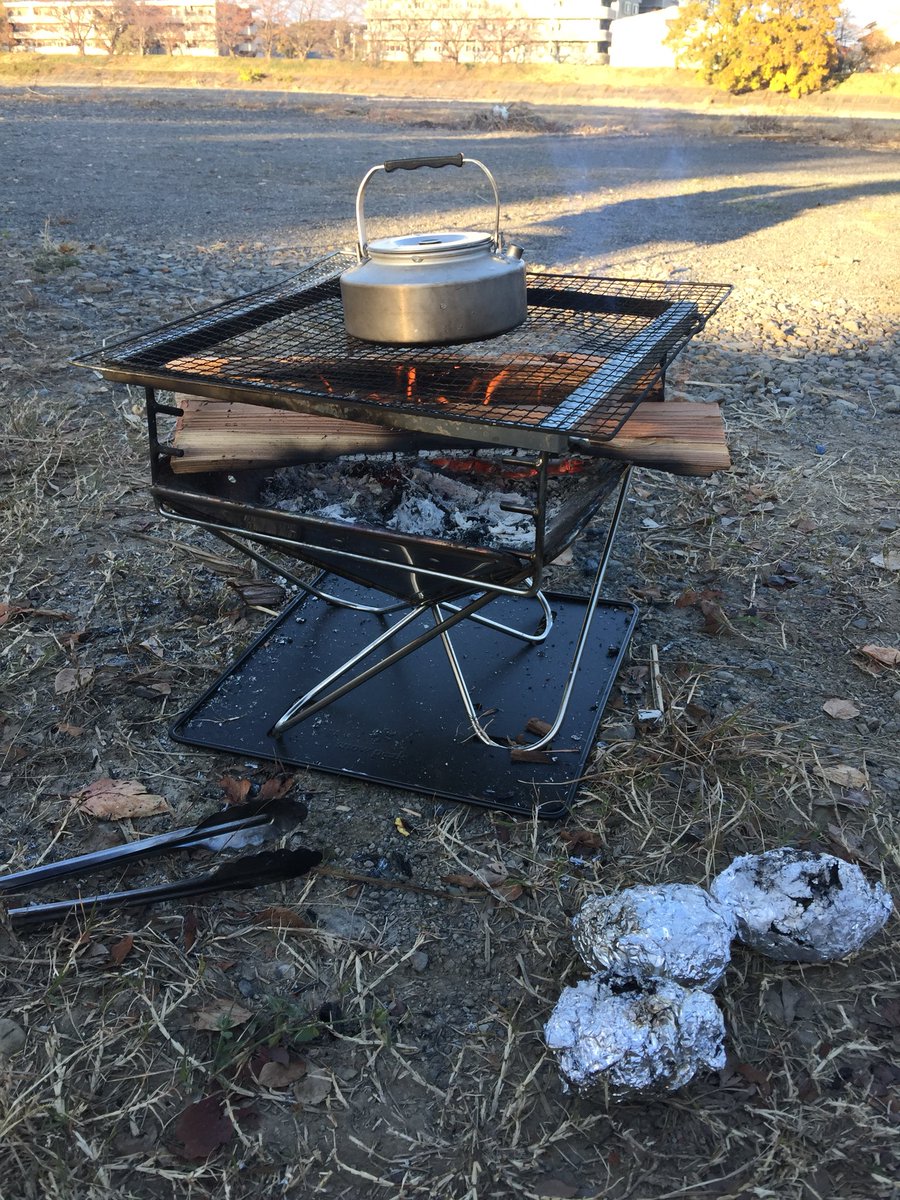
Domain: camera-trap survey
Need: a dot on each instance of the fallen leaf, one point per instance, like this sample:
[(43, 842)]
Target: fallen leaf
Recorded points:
[(401, 827), (843, 776), (149, 688), (313, 1088), (868, 665), (849, 798), (71, 640), (70, 730), (755, 1076), (492, 878), (889, 561), (221, 1016), (118, 799), (888, 656), (841, 710), (189, 930), (510, 891), (203, 1127), (714, 619), (285, 917), (278, 1075), (236, 790), (578, 840), (492, 874), (466, 881), (276, 787), (70, 679), (8, 611), (120, 951), (154, 646)]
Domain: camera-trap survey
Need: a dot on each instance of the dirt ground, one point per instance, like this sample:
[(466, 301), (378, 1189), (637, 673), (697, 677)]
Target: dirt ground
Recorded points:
[(377, 1030)]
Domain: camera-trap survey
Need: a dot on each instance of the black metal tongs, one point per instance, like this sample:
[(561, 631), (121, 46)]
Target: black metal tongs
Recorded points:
[(237, 826)]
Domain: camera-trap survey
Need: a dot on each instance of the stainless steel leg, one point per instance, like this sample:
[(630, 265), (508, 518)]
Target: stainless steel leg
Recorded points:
[(278, 569), (540, 636), (307, 705), (479, 730)]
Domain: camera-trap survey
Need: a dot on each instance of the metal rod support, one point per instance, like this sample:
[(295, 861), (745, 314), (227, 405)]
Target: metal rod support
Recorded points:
[(478, 729)]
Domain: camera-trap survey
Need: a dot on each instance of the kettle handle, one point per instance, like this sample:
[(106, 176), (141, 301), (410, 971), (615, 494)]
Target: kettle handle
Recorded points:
[(412, 164)]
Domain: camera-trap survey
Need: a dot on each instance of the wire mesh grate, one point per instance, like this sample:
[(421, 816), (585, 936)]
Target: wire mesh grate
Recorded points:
[(589, 350)]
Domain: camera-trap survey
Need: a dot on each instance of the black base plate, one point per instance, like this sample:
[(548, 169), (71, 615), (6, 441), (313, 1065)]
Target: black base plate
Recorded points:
[(406, 727)]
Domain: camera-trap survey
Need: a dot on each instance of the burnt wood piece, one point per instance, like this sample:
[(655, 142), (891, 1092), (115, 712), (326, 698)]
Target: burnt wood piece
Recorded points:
[(680, 437), (215, 435)]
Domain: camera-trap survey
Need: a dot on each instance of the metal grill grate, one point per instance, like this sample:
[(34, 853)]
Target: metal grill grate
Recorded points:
[(588, 352)]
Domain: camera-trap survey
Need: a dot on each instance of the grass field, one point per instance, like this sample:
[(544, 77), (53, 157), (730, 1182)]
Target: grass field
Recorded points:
[(547, 83)]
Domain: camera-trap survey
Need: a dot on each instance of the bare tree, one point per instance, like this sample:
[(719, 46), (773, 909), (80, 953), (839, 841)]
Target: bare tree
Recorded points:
[(505, 33), (77, 21), (305, 38), (456, 33), (112, 23), (7, 33), (233, 23), (349, 27), (273, 18), (171, 32), (147, 24)]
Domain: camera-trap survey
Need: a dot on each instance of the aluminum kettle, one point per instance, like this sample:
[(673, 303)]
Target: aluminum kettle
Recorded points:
[(432, 288)]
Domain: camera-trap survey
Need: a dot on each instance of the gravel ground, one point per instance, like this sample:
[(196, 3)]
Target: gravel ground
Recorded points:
[(759, 587)]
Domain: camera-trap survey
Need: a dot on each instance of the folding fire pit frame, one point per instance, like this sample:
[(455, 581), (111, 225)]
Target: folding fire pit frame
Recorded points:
[(593, 389)]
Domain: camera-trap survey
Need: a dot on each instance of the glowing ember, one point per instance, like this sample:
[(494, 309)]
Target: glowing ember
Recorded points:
[(498, 470)]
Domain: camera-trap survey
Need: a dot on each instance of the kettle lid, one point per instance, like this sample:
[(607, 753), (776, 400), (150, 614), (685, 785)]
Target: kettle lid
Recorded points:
[(421, 244)]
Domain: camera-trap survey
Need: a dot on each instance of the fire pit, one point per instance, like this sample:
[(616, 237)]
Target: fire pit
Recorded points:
[(529, 414)]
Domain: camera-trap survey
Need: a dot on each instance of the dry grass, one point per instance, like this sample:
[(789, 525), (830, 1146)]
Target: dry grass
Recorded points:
[(546, 83), (431, 1074)]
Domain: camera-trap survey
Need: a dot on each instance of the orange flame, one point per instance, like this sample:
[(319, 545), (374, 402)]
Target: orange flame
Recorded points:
[(494, 384)]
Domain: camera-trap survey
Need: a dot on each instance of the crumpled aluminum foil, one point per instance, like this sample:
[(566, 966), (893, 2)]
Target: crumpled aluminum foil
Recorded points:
[(798, 906), (626, 1037), (674, 930)]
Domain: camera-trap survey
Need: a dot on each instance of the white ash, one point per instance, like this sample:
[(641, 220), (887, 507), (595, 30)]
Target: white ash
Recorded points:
[(674, 930), (798, 906), (411, 493), (634, 1036)]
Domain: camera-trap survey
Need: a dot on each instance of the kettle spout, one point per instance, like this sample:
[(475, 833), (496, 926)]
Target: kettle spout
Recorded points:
[(512, 251)]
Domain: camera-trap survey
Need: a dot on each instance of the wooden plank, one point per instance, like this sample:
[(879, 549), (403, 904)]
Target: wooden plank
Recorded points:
[(214, 435), (680, 437)]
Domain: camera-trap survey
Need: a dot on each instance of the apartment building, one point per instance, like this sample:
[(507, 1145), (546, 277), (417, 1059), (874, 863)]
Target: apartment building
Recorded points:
[(72, 26), (576, 31)]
